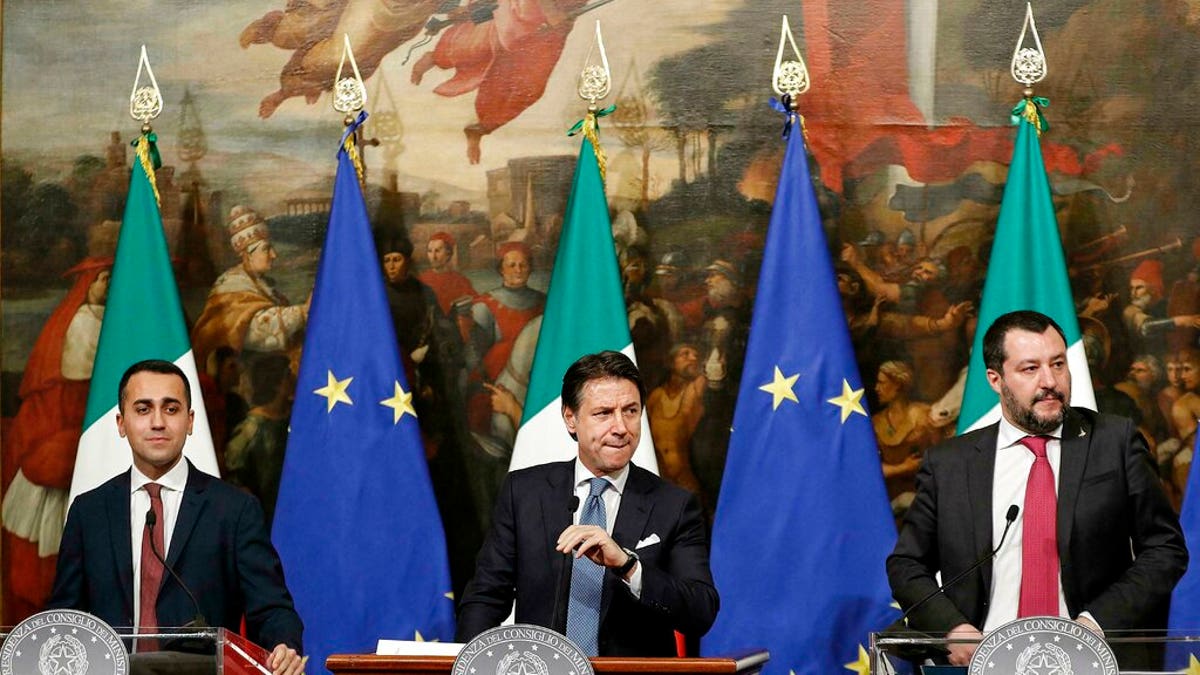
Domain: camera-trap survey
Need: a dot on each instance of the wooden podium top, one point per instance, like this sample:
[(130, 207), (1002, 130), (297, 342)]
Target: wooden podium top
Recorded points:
[(746, 663)]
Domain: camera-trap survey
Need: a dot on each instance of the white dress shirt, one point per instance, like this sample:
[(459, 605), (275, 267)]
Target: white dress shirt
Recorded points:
[(612, 503), (172, 484), (1013, 462)]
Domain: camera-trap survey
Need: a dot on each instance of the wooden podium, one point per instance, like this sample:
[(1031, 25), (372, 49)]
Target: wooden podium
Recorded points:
[(747, 663)]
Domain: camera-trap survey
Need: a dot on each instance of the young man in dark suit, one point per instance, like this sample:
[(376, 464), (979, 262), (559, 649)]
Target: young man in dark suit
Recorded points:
[(1096, 540), (212, 534), (640, 540)]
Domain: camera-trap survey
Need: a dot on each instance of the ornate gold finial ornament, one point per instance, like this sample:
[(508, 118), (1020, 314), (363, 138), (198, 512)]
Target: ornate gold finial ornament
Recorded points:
[(790, 77), (1029, 63), (145, 101), (349, 93), (595, 81)]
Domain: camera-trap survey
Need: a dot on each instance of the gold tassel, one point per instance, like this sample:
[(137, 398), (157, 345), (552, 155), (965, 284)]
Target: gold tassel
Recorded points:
[(590, 133), (143, 156)]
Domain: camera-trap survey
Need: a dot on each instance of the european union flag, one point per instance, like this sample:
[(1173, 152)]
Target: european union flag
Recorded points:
[(356, 523), (1185, 600), (803, 525)]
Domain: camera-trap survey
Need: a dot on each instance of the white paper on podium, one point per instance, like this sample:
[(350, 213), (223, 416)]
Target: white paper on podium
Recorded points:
[(414, 648)]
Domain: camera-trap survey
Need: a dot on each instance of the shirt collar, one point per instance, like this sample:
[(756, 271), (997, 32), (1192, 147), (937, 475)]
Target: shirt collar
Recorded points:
[(175, 479), (1009, 435), (617, 478)]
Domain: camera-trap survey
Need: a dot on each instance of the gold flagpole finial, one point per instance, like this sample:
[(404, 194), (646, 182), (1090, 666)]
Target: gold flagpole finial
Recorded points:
[(349, 93), (595, 81), (1029, 63), (789, 77), (145, 101)]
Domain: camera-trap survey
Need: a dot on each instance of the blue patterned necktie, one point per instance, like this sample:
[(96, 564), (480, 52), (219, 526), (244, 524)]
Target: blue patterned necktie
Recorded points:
[(587, 579)]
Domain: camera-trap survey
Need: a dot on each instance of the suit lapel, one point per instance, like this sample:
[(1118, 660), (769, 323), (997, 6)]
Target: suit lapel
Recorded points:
[(1076, 441), (555, 516), (192, 505), (980, 473), (117, 506), (632, 517)]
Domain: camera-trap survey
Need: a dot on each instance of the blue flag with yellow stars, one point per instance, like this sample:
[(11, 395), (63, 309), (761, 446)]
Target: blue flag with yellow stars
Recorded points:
[(1185, 600), (356, 523), (802, 526)]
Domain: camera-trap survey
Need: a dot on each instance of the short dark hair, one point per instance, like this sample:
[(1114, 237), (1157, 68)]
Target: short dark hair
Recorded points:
[(153, 366), (389, 241), (1024, 319), (599, 366)]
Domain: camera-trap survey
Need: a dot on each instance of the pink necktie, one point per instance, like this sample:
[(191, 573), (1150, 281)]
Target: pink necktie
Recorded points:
[(151, 571), (1039, 545)]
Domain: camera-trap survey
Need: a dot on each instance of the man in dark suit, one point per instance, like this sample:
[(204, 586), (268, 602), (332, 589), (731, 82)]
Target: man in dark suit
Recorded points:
[(649, 557), (213, 534), (1110, 539)]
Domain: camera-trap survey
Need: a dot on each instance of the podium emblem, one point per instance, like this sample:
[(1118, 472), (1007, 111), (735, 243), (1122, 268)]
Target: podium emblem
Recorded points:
[(520, 649), (63, 642), (1039, 645)]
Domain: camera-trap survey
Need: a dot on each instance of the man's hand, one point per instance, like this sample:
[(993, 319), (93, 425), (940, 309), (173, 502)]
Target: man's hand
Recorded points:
[(285, 661), (1090, 624), (961, 652), (592, 541)]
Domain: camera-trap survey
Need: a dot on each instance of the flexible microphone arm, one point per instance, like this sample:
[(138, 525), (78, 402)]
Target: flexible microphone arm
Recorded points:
[(1009, 518), (563, 594), (151, 520)]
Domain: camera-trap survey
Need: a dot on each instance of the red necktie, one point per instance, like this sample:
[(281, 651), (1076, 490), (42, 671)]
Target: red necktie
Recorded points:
[(151, 570), (1039, 544)]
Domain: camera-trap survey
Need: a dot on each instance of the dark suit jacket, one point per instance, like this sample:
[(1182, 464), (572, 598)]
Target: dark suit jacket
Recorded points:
[(518, 561), (1120, 546), (219, 548)]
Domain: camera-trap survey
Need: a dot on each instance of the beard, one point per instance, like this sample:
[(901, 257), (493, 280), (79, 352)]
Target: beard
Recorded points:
[(1028, 419)]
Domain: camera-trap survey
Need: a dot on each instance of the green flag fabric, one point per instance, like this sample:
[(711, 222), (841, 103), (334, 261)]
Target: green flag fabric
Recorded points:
[(1027, 271), (585, 313), (143, 319)]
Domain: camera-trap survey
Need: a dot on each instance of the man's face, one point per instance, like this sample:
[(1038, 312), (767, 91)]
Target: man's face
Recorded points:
[(686, 363), (1141, 375), (438, 253), (154, 416), (721, 291), (847, 286), (395, 267), (514, 269), (608, 424), (97, 293), (1189, 371), (260, 258), (1035, 385), (924, 272), (1173, 368), (1139, 293), (634, 272)]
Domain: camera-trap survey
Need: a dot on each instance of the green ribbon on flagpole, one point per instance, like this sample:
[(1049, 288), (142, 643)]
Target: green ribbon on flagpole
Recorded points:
[(1030, 109), (590, 126)]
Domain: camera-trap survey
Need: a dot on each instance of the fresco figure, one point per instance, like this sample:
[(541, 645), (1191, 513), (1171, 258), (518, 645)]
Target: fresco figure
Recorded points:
[(244, 311), (449, 285), (903, 431), (675, 409), (254, 455), (44, 437), (503, 51)]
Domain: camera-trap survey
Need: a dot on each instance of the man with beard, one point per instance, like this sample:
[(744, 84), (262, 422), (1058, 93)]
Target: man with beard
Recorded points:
[(1096, 540)]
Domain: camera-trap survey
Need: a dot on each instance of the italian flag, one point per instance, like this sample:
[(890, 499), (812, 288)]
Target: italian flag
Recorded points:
[(142, 320), (1027, 270), (585, 313)]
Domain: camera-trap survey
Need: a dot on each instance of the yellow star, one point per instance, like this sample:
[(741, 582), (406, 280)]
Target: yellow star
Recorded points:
[(862, 665), (1193, 665), (449, 595), (421, 638), (400, 403), (334, 391), (850, 401), (781, 388)]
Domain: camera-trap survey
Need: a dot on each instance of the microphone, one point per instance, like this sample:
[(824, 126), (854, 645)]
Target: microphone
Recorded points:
[(563, 595), (151, 520), (1009, 518)]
